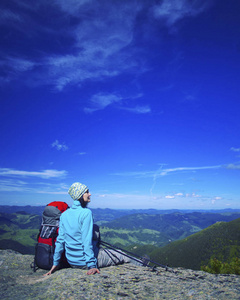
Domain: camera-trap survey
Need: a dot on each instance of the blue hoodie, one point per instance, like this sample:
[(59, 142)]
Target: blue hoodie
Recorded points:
[(75, 236)]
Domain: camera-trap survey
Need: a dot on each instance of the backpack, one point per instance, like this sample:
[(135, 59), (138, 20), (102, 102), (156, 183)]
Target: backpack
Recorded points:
[(47, 236)]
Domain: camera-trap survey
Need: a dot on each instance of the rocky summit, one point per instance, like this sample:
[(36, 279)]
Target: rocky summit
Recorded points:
[(18, 281)]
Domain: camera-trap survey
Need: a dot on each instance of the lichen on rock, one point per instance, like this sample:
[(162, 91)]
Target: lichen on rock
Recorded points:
[(127, 281)]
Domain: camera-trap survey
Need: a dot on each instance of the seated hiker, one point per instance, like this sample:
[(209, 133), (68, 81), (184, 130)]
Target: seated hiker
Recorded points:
[(76, 237)]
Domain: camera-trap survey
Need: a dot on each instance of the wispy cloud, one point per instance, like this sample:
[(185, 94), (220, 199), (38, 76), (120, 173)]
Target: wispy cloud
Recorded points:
[(164, 172), (235, 149), (101, 38), (138, 109), (233, 166), (8, 15), (100, 101), (10, 185), (100, 43), (20, 64), (71, 6), (13, 67), (52, 192), (15, 185), (119, 200), (195, 199), (97, 40), (58, 146), (175, 10), (175, 201), (178, 197), (104, 41), (82, 153), (191, 169), (169, 197), (7, 172)]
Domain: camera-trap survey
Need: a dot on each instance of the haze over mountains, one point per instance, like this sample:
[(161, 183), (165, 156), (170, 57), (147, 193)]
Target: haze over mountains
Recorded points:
[(170, 237)]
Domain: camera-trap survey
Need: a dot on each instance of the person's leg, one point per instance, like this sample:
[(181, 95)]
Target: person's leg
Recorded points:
[(109, 257)]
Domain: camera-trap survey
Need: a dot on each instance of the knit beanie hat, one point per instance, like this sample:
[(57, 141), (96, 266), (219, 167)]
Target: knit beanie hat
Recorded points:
[(76, 190)]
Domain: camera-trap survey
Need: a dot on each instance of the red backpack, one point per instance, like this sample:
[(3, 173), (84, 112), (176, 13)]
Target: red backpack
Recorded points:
[(47, 236)]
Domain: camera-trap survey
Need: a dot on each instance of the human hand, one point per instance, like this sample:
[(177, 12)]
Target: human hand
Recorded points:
[(93, 271), (53, 269)]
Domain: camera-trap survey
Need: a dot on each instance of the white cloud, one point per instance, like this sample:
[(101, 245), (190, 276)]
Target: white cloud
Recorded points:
[(42, 174), (117, 200), (71, 6), (8, 15), (235, 149), (191, 169), (169, 197), (138, 109), (98, 37), (164, 172), (100, 101), (59, 146), (74, 69), (179, 194), (192, 195), (52, 192), (20, 186), (100, 42), (20, 64), (10, 185), (134, 201), (232, 167), (142, 174), (101, 37), (14, 66), (218, 198), (175, 10)]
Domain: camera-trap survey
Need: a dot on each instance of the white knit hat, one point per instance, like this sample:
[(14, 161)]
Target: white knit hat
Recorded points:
[(76, 190)]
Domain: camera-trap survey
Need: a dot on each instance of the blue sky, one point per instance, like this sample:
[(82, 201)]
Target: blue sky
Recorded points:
[(139, 100)]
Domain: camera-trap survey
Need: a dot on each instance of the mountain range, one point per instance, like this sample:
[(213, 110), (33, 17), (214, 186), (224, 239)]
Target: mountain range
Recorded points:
[(171, 237)]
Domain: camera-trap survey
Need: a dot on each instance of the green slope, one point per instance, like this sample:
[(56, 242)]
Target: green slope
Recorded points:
[(19, 231), (170, 227), (125, 237), (221, 241), (131, 231), (14, 245)]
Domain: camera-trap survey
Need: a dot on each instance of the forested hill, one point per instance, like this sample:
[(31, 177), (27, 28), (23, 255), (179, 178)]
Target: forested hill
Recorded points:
[(220, 241), (174, 226)]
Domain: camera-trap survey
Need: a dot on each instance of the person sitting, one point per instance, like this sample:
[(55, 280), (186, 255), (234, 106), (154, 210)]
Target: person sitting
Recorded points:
[(79, 240)]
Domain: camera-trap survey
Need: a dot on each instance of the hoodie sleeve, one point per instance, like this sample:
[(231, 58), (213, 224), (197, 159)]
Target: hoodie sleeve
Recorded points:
[(87, 231), (59, 245)]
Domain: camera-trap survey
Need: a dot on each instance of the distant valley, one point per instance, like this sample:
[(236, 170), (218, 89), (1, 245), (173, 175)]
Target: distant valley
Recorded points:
[(164, 235)]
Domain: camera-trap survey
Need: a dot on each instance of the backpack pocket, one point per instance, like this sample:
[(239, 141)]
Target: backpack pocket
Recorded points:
[(44, 256)]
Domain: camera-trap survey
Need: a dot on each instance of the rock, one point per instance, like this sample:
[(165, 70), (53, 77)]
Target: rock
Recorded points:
[(18, 281)]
